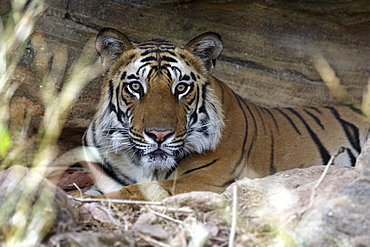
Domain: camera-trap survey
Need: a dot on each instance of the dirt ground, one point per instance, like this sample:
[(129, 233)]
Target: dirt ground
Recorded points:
[(279, 210)]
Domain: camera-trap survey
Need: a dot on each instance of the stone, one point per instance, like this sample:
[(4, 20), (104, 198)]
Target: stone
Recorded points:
[(26, 192)]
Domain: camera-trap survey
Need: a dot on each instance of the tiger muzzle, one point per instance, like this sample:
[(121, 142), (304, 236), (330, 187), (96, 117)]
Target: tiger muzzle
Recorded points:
[(159, 135)]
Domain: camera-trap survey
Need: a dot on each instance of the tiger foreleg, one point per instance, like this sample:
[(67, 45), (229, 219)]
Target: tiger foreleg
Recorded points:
[(146, 191), (158, 190)]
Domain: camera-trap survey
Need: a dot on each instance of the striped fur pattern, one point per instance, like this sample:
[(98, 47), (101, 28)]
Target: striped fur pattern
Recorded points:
[(166, 126)]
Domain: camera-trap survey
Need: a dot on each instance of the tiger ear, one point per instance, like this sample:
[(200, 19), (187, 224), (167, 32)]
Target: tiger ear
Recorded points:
[(207, 47), (110, 45)]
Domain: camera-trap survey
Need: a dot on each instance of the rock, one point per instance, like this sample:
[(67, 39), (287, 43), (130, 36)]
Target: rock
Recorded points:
[(90, 211), (145, 225), (78, 177), (282, 197), (361, 241), (197, 200), (344, 219), (336, 216), (91, 239), (46, 209)]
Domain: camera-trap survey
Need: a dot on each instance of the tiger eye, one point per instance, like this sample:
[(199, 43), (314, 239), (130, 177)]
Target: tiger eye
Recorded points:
[(181, 87), (135, 86)]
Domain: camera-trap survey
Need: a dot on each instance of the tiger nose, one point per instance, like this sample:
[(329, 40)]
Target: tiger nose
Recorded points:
[(159, 135)]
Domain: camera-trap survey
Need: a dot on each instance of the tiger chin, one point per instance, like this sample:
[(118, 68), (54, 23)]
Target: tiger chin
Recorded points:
[(165, 125)]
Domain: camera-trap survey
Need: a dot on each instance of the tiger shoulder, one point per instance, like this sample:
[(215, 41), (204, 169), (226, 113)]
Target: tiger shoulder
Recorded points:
[(165, 125)]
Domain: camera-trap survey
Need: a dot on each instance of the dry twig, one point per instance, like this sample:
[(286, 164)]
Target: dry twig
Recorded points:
[(166, 217), (234, 216), (114, 201)]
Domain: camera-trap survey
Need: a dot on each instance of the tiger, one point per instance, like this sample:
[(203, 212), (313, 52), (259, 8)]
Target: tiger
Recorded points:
[(166, 126)]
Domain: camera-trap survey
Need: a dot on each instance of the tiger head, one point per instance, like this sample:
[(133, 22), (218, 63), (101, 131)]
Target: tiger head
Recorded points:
[(158, 101)]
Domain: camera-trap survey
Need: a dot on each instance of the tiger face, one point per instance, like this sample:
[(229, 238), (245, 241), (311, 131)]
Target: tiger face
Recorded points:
[(157, 104)]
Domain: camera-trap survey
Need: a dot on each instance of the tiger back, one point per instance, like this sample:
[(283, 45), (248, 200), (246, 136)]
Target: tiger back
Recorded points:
[(165, 125)]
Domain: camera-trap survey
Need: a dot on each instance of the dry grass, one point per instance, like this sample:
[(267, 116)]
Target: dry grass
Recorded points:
[(171, 224)]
